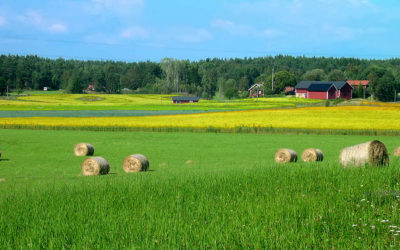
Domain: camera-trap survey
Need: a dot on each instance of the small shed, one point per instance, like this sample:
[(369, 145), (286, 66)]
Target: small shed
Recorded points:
[(185, 99)]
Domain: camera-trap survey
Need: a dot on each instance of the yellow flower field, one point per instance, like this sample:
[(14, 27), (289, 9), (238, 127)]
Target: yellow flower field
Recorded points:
[(346, 117)]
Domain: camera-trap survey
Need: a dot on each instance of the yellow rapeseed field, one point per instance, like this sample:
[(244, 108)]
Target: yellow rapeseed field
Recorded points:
[(138, 102), (345, 117)]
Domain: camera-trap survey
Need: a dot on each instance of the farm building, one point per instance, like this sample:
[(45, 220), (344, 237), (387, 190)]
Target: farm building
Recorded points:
[(358, 83), (185, 99), (256, 90), (289, 90), (324, 90)]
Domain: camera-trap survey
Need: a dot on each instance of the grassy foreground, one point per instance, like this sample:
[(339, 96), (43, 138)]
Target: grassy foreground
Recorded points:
[(205, 191)]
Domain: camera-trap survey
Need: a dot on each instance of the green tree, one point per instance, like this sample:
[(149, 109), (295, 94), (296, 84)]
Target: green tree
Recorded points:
[(385, 87), (314, 75), (75, 85), (282, 79), (336, 75), (231, 93), (3, 85), (112, 78)]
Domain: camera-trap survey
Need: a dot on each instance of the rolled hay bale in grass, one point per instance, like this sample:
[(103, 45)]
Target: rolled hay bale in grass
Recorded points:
[(312, 154), (396, 152), (95, 166), (83, 149), (372, 152), (285, 155), (135, 163)]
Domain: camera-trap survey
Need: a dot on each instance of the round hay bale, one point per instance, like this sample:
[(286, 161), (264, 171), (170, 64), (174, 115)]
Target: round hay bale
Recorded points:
[(83, 149), (312, 154), (135, 163), (285, 155), (372, 152), (95, 166), (396, 151)]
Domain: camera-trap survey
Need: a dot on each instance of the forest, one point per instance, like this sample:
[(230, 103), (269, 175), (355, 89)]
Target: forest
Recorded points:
[(208, 78)]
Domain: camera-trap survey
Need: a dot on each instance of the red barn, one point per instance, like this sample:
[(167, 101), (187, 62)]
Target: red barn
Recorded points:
[(321, 91), (185, 99), (324, 90)]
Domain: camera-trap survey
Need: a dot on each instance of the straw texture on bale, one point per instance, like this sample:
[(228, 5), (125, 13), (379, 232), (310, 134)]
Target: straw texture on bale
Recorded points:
[(372, 152), (285, 155), (95, 166), (83, 149), (312, 154), (135, 163), (396, 151)]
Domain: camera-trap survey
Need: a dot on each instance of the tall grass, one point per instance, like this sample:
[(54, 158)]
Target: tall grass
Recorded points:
[(229, 195)]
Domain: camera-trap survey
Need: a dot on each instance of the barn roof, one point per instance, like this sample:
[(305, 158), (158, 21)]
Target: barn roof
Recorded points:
[(340, 85), (256, 85), (305, 84), (186, 98), (320, 87), (308, 84), (358, 82)]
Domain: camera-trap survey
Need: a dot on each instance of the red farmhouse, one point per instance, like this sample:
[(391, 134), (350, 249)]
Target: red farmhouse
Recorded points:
[(324, 90), (256, 90), (185, 99)]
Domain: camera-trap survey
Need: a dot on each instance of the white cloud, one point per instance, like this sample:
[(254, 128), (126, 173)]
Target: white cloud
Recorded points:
[(135, 32), (2, 21), (223, 24), (30, 17), (100, 38), (36, 19), (243, 29), (233, 28), (341, 33), (57, 27), (118, 6), (270, 33), (194, 36), (358, 3)]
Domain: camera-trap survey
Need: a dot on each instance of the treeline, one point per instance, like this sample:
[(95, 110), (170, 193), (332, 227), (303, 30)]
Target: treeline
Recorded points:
[(206, 78)]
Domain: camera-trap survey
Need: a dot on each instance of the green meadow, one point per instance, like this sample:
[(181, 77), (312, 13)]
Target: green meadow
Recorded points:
[(203, 190)]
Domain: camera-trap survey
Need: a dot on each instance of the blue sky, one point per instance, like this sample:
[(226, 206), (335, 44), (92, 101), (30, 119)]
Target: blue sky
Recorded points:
[(137, 30)]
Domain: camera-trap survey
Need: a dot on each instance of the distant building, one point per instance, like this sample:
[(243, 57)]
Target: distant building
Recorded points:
[(184, 99), (324, 90), (358, 83), (91, 87), (256, 90), (289, 90)]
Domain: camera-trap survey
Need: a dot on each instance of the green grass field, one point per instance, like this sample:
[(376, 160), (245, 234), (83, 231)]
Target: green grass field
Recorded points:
[(204, 190)]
